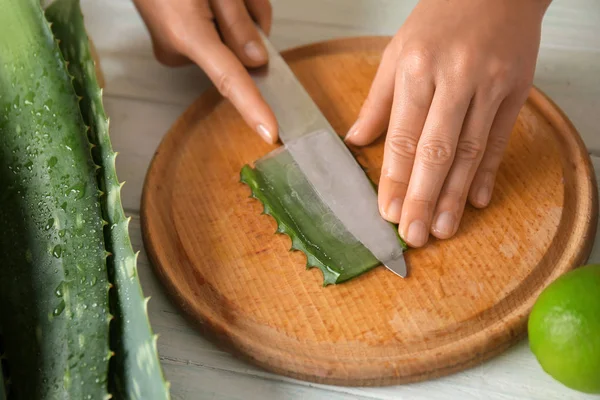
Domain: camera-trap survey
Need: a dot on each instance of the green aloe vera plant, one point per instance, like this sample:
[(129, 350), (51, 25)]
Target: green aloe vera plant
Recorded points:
[(3, 391), (2, 388), (137, 369), (65, 239), (291, 200), (53, 281)]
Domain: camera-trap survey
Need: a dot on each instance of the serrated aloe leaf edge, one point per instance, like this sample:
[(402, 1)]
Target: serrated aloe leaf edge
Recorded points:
[(135, 366)]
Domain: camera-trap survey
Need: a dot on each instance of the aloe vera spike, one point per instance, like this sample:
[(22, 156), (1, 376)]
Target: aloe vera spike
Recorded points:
[(259, 190), (138, 374), (53, 283)]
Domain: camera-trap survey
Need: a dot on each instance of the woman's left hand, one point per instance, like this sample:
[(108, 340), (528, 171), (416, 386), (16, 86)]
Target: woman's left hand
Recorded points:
[(448, 91)]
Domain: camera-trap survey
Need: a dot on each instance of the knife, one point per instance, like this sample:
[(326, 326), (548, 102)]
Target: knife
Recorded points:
[(325, 160)]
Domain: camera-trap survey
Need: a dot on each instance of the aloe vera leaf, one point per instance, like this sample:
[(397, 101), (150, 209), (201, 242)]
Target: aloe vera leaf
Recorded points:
[(53, 281), (3, 388), (290, 199), (4, 384), (135, 372)]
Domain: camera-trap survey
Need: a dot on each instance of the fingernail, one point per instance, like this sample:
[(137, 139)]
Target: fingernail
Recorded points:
[(352, 131), (264, 133), (483, 196), (417, 233), (255, 51), (444, 224), (393, 211)]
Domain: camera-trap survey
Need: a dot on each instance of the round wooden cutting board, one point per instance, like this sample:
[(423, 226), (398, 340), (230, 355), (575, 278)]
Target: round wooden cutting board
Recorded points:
[(464, 300)]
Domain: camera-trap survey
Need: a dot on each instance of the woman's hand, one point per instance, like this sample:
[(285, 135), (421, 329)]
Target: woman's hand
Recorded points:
[(220, 37), (448, 92)]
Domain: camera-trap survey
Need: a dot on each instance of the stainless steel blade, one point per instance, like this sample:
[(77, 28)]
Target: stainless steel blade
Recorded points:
[(295, 110), (326, 161)]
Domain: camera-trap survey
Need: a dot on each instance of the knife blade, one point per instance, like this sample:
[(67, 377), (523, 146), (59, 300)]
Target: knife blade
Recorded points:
[(325, 160)]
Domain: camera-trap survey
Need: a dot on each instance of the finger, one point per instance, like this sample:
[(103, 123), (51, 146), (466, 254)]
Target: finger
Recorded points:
[(161, 45), (469, 152), (167, 56), (374, 115), (434, 157), (239, 32), (262, 12), (482, 187), (232, 80), (411, 101)]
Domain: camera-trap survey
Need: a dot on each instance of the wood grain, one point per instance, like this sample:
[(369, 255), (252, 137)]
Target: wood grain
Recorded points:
[(466, 299)]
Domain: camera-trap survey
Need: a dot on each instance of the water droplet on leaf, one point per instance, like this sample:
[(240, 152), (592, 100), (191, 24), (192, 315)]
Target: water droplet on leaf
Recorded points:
[(59, 309), (59, 289), (49, 224), (57, 251)]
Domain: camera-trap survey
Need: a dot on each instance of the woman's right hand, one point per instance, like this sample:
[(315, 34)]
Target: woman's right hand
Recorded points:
[(221, 38)]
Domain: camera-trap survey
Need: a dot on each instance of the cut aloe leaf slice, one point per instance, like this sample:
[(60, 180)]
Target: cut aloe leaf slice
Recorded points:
[(287, 196)]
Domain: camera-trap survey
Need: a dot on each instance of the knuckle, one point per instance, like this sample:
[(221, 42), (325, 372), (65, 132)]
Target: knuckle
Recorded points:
[(236, 21), (464, 61), (397, 177), (497, 144), (435, 152), (402, 145), (417, 63), (500, 80), (176, 37), (461, 63), (165, 58), (500, 71), (457, 195), (493, 93), (420, 199), (469, 150), (223, 83), (167, 55), (482, 178)]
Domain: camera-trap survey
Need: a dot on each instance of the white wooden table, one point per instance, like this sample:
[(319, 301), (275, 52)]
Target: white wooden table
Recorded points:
[(143, 99)]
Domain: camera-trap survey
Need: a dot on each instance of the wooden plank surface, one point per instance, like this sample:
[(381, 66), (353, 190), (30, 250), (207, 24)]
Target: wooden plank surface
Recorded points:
[(144, 98)]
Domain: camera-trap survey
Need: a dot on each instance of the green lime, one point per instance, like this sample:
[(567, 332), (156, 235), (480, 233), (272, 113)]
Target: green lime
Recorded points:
[(564, 329)]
